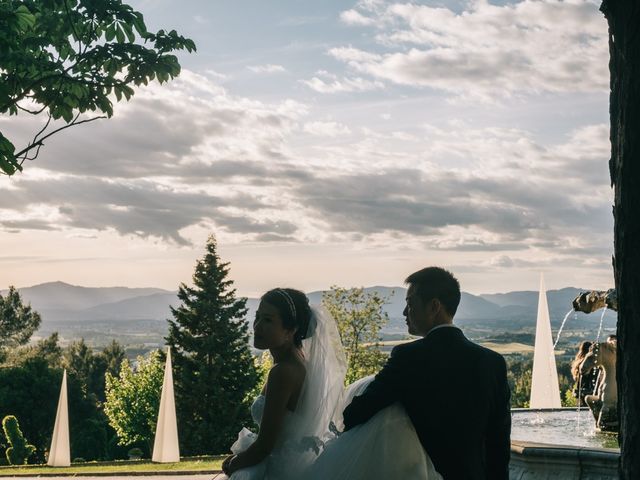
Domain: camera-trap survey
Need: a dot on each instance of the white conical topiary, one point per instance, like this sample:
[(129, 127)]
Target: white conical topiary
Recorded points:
[(545, 390), (60, 452), (165, 445)]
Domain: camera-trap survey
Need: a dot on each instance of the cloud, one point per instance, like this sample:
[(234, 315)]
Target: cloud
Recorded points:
[(325, 82), (191, 155), (326, 129), (516, 194), (216, 75), (269, 68), (353, 17), (174, 157), (485, 50), (169, 131)]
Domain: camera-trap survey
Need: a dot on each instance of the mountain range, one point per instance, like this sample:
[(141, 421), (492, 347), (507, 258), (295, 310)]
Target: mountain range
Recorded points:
[(59, 302)]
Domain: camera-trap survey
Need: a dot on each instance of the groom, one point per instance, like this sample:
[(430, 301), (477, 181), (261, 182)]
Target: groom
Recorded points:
[(454, 391)]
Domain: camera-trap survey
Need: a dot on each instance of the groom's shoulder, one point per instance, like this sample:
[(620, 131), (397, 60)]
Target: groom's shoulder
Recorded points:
[(408, 348), (486, 353)]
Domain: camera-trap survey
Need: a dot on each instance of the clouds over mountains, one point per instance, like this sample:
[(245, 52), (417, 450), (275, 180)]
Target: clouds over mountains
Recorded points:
[(196, 155)]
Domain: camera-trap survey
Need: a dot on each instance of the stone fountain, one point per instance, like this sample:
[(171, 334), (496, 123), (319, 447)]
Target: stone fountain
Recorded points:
[(550, 445)]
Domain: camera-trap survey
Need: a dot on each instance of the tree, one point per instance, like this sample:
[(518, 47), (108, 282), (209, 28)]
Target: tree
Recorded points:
[(133, 400), (17, 320), (19, 451), (214, 371), (63, 58), (30, 392), (623, 17), (359, 316), (79, 362), (29, 389), (89, 368), (113, 355), (49, 348)]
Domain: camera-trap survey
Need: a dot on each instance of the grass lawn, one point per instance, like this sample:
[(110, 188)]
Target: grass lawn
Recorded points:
[(507, 348), (199, 464)]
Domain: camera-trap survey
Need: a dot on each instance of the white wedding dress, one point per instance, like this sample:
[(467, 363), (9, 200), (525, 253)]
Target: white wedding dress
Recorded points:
[(289, 457), (386, 447)]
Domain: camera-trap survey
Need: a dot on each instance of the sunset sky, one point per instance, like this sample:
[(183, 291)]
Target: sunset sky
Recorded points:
[(328, 142)]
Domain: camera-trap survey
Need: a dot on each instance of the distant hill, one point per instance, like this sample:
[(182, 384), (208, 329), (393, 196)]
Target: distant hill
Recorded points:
[(59, 302), (62, 296), (145, 307), (505, 311)]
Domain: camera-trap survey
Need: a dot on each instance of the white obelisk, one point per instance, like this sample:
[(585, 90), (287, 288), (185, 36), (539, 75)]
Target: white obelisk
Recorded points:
[(165, 445), (545, 390), (60, 452)]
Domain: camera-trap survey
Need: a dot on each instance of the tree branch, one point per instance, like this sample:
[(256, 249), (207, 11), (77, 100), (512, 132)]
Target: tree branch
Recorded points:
[(40, 142), (46, 125), (32, 112)]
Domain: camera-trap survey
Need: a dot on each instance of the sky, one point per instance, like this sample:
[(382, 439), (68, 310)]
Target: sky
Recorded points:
[(335, 143)]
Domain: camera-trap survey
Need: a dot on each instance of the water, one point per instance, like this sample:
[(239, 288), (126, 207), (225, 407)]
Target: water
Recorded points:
[(579, 401), (604, 310), (566, 317), (560, 427)]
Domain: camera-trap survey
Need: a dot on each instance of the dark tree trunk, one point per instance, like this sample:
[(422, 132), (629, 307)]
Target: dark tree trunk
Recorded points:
[(624, 45)]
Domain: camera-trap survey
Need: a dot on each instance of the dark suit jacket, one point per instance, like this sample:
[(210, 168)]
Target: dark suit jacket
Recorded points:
[(457, 397)]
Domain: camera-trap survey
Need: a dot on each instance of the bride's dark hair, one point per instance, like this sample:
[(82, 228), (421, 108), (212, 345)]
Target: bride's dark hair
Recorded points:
[(294, 309)]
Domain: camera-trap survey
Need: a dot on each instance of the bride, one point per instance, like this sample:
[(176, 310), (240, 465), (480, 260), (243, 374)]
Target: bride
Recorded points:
[(302, 389), (300, 408)]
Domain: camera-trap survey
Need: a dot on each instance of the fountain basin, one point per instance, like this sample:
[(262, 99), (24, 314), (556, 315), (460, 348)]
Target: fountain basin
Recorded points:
[(560, 444)]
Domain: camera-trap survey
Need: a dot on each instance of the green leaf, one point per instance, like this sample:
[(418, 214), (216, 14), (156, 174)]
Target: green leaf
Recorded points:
[(7, 164), (110, 32), (67, 114), (6, 146), (24, 17), (129, 31), (119, 34), (138, 23)]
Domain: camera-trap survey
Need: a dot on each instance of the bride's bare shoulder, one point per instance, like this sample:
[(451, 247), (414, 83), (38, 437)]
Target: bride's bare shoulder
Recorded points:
[(288, 373)]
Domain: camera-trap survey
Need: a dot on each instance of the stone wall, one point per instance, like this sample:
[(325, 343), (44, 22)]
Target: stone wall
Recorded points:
[(535, 461)]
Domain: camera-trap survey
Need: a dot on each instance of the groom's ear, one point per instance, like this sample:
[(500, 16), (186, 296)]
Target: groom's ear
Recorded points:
[(435, 305)]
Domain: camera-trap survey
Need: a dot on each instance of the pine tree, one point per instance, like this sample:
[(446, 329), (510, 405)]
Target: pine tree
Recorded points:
[(214, 371)]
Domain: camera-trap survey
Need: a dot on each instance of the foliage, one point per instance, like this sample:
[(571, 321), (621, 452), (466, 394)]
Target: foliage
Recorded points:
[(519, 373), (17, 320), (30, 392), (89, 368), (135, 452), (263, 364), (359, 316), (214, 371), (30, 388), (19, 451), (68, 57), (569, 400), (133, 399), (47, 349)]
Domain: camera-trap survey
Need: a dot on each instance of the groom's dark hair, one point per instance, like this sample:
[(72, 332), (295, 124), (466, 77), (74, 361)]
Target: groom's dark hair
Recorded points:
[(436, 282)]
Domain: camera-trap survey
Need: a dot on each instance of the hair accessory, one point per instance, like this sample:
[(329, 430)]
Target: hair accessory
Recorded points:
[(289, 300)]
